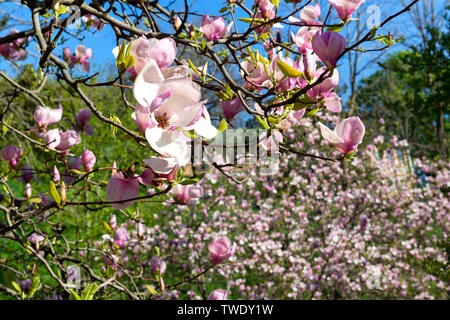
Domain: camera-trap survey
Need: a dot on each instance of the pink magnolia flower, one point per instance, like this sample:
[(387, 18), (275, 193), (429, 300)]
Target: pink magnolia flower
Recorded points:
[(140, 230), (110, 260), (12, 154), (121, 236), (113, 222), (303, 39), (36, 238), (88, 160), (146, 178), (231, 108), (347, 135), (82, 118), (81, 56), (68, 138), (28, 191), (56, 175), (168, 103), (157, 265), (328, 47), (218, 294), (143, 50), (14, 50), (265, 7), (345, 8), (177, 22), (309, 15), (93, 21), (45, 116), (220, 248), (323, 91), (73, 163), (186, 193), (271, 144), (256, 75), (214, 29), (120, 188), (52, 138)]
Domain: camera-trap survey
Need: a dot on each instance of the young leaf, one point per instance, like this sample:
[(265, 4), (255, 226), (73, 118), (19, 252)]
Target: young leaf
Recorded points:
[(34, 287), (287, 70), (89, 291), (54, 193)]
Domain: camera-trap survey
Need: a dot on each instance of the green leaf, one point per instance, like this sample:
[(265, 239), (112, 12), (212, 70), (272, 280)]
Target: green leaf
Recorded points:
[(313, 112), (223, 125), (34, 287), (121, 54), (158, 252), (89, 291), (192, 180), (16, 286), (106, 226), (150, 289), (61, 10), (336, 28), (250, 20), (54, 193), (74, 295), (287, 70)]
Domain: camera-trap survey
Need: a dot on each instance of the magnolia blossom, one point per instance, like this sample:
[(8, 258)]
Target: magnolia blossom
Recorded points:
[(271, 144), (265, 7), (328, 46), (256, 75), (68, 139), (110, 260), (303, 39), (347, 135), (91, 20), (323, 91), (24, 285), (82, 118), (163, 52), (28, 191), (120, 188), (35, 238), (186, 193), (12, 154), (56, 175), (45, 116), (167, 103), (218, 294), (52, 138), (14, 50), (88, 160), (214, 29), (220, 248), (345, 8), (309, 15), (231, 108), (113, 222), (157, 265), (81, 56), (121, 236)]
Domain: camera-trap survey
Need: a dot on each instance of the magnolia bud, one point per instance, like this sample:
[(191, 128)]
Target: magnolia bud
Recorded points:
[(56, 175), (177, 22), (28, 190)]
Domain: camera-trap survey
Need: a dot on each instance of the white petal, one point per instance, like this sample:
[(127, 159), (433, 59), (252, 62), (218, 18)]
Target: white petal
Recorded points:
[(147, 84), (204, 128), (168, 143), (161, 165), (329, 135)]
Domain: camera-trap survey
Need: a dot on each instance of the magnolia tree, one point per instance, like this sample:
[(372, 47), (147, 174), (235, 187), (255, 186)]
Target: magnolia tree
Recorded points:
[(168, 64)]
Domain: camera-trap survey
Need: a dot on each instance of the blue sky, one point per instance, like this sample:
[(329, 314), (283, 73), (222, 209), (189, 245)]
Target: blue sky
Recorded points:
[(104, 41)]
